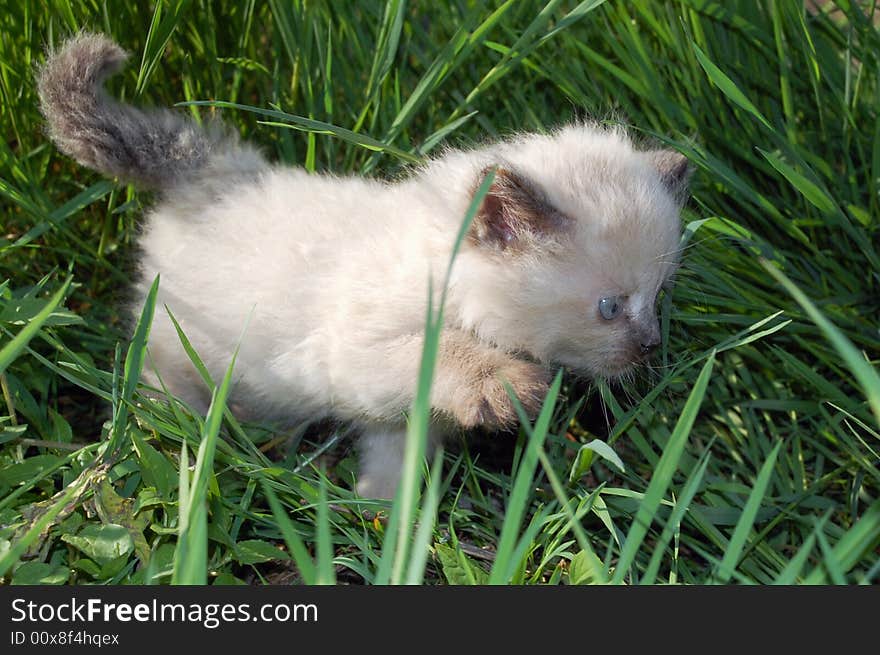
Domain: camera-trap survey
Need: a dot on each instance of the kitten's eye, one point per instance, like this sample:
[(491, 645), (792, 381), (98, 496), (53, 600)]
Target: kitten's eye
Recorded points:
[(610, 308)]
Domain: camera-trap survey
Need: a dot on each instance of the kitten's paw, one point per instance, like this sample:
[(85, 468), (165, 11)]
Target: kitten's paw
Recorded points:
[(492, 407)]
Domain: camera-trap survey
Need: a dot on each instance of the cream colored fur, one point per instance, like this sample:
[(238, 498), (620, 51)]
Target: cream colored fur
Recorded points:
[(334, 275)]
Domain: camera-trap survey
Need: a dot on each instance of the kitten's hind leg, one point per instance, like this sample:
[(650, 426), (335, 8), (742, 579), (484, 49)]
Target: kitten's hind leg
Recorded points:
[(382, 448)]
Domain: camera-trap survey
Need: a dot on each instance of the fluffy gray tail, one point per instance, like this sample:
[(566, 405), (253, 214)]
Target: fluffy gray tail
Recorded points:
[(151, 148)]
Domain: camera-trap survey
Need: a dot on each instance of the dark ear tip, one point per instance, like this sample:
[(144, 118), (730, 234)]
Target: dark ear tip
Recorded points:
[(667, 161), (674, 168), (684, 168)]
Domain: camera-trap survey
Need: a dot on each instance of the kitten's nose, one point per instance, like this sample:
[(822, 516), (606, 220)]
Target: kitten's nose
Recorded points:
[(650, 347), (647, 334)]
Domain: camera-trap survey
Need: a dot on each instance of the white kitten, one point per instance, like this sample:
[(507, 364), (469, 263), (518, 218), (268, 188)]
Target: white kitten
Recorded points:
[(562, 265)]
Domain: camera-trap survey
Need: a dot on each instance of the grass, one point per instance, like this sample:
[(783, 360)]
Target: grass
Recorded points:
[(750, 453)]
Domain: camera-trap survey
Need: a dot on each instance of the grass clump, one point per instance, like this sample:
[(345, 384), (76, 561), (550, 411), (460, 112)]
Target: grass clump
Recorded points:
[(749, 456)]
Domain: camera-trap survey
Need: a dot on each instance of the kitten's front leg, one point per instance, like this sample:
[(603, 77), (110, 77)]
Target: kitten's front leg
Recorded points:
[(468, 385), (470, 378)]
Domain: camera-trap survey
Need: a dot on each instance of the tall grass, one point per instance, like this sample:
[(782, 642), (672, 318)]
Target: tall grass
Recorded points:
[(748, 454)]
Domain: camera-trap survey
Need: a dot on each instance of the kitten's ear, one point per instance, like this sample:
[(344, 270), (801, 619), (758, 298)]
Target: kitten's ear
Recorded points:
[(675, 171), (513, 213)]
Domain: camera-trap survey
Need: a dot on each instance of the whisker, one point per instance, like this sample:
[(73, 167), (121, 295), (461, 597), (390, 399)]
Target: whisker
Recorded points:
[(679, 253), (605, 414)]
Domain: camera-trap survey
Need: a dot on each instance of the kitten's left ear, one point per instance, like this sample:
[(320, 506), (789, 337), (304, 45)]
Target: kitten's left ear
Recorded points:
[(514, 214), (675, 171)]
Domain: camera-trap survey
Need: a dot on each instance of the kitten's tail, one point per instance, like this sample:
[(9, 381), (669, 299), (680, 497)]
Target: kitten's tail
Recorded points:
[(150, 148)]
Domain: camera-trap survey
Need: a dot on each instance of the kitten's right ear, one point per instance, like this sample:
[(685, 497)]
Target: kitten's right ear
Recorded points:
[(675, 171), (513, 214)]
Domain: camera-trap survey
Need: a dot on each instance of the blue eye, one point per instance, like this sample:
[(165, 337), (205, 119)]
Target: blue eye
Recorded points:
[(610, 308)]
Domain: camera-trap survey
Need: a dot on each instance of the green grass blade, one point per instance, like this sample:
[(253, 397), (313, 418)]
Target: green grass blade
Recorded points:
[(68, 209), (134, 364), (505, 562), (295, 544), (191, 552), (526, 43), (415, 573), (19, 342), (205, 375), (747, 519), (292, 121), (461, 43), (830, 562), (386, 45), (158, 37), (727, 86), (573, 521), (789, 574), (807, 188), (675, 517), (324, 572), (864, 373), (191, 353), (663, 473), (859, 539)]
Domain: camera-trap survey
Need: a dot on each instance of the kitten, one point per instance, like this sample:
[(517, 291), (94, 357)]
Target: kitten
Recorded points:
[(561, 266)]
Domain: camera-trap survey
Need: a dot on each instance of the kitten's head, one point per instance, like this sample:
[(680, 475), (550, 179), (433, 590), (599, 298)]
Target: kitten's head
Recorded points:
[(571, 246)]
